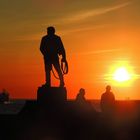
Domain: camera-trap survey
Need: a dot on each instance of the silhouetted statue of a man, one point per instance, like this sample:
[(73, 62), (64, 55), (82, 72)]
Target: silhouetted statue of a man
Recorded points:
[(108, 101), (51, 47)]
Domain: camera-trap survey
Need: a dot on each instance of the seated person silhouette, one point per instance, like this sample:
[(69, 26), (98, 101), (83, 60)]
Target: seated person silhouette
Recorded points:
[(4, 96), (82, 103), (81, 96), (107, 102), (51, 47)]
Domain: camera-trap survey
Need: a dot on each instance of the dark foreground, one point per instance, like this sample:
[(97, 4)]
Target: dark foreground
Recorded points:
[(72, 121)]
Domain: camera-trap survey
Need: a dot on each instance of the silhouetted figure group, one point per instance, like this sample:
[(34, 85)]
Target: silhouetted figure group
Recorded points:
[(51, 47), (107, 102)]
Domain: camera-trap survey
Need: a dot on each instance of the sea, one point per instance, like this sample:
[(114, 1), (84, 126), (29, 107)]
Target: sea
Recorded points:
[(14, 106)]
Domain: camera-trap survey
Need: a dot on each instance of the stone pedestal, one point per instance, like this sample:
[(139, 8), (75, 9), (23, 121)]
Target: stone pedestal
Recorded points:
[(51, 95)]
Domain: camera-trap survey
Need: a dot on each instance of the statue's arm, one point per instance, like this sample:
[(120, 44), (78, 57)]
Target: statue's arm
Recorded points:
[(62, 50), (42, 44)]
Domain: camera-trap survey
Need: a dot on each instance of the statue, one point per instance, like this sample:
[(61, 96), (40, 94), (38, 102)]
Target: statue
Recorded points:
[(52, 47)]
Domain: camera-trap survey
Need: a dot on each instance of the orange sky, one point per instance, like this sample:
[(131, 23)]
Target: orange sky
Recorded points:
[(96, 35)]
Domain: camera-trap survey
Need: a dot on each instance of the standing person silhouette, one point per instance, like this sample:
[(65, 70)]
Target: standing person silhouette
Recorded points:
[(51, 47), (108, 101)]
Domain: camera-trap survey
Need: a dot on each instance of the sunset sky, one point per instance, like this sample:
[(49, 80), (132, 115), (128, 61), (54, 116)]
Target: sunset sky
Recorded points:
[(99, 36)]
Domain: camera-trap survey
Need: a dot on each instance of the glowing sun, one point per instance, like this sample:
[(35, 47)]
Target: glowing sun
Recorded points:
[(121, 74)]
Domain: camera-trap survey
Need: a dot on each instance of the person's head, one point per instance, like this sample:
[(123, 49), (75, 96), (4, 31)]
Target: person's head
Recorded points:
[(51, 30), (82, 91), (108, 88)]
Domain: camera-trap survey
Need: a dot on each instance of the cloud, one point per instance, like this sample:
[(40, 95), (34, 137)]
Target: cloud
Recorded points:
[(99, 51), (81, 16), (38, 35), (30, 37), (67, 31), (74, 18)]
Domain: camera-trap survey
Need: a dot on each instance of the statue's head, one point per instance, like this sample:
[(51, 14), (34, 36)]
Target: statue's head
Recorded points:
[(51, 30)]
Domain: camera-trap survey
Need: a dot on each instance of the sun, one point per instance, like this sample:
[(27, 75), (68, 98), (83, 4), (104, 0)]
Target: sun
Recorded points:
[(121, 74)]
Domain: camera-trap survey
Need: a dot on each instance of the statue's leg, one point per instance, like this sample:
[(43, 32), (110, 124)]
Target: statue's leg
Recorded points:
[(58, 69), (48, 67)]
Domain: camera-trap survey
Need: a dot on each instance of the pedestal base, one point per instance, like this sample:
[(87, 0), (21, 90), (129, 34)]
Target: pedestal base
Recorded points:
[(51, 95)]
